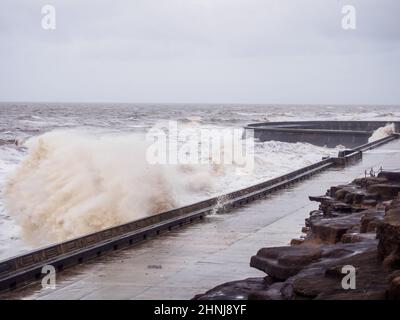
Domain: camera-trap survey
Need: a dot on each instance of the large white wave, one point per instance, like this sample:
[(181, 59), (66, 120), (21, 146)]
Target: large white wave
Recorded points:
[(382, 132), (71, 183)]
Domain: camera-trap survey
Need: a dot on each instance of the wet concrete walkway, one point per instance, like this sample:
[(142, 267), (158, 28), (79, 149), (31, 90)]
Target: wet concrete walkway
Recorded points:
[(191, 260)]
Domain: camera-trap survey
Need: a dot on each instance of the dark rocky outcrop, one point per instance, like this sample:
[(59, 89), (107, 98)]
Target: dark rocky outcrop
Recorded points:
[(357, 226), (283, 262), (238, 290), (388, 233)]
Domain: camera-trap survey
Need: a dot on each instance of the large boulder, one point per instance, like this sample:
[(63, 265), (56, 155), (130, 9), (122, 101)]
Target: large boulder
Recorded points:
[(390, 175), (388, 233), (284, 262), (371, 219), (237, 290), (393, 292), (367, 181), (386, 191), (323, 279), (331, 230)]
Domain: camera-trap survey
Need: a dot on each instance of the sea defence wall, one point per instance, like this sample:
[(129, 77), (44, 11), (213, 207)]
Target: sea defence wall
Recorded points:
[(322, 133), (27, 267)]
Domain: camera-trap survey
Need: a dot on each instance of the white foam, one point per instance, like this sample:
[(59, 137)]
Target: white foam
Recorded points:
[(10, 241), (382, 132), (71, 183)]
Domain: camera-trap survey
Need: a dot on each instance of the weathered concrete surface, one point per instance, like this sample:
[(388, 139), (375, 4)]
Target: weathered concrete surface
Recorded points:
[(188, 261)]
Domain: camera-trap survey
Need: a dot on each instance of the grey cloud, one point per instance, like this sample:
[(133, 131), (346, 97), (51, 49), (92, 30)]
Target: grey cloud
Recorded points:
[(264, 51)]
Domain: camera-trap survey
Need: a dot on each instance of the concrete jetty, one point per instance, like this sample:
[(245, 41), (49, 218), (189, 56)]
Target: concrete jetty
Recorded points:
[(321, 133), (188, 261)]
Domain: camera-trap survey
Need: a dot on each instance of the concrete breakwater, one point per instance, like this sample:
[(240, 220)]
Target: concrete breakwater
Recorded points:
[(350, 249), (321, 133)]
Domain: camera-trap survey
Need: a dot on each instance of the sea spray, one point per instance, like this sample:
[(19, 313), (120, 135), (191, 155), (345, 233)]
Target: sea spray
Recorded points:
[(71, 183), (382, 132)]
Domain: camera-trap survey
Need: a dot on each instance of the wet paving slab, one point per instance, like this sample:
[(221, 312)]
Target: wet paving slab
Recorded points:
[(191, 260)]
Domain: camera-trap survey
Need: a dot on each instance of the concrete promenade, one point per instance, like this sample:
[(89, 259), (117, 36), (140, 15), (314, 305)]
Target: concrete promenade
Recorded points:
[(191, 260)]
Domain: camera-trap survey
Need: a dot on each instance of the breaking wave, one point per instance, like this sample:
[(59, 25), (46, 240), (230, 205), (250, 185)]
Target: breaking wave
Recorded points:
[(382, 132), (71, 183)]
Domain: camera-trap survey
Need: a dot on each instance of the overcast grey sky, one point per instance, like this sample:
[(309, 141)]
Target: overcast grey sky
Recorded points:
[(232, 51)]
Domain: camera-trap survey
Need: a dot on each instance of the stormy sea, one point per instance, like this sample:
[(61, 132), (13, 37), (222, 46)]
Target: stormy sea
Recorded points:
[(71, 169)]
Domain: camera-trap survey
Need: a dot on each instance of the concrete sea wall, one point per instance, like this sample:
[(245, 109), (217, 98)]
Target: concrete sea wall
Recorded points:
[(321, 133)]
